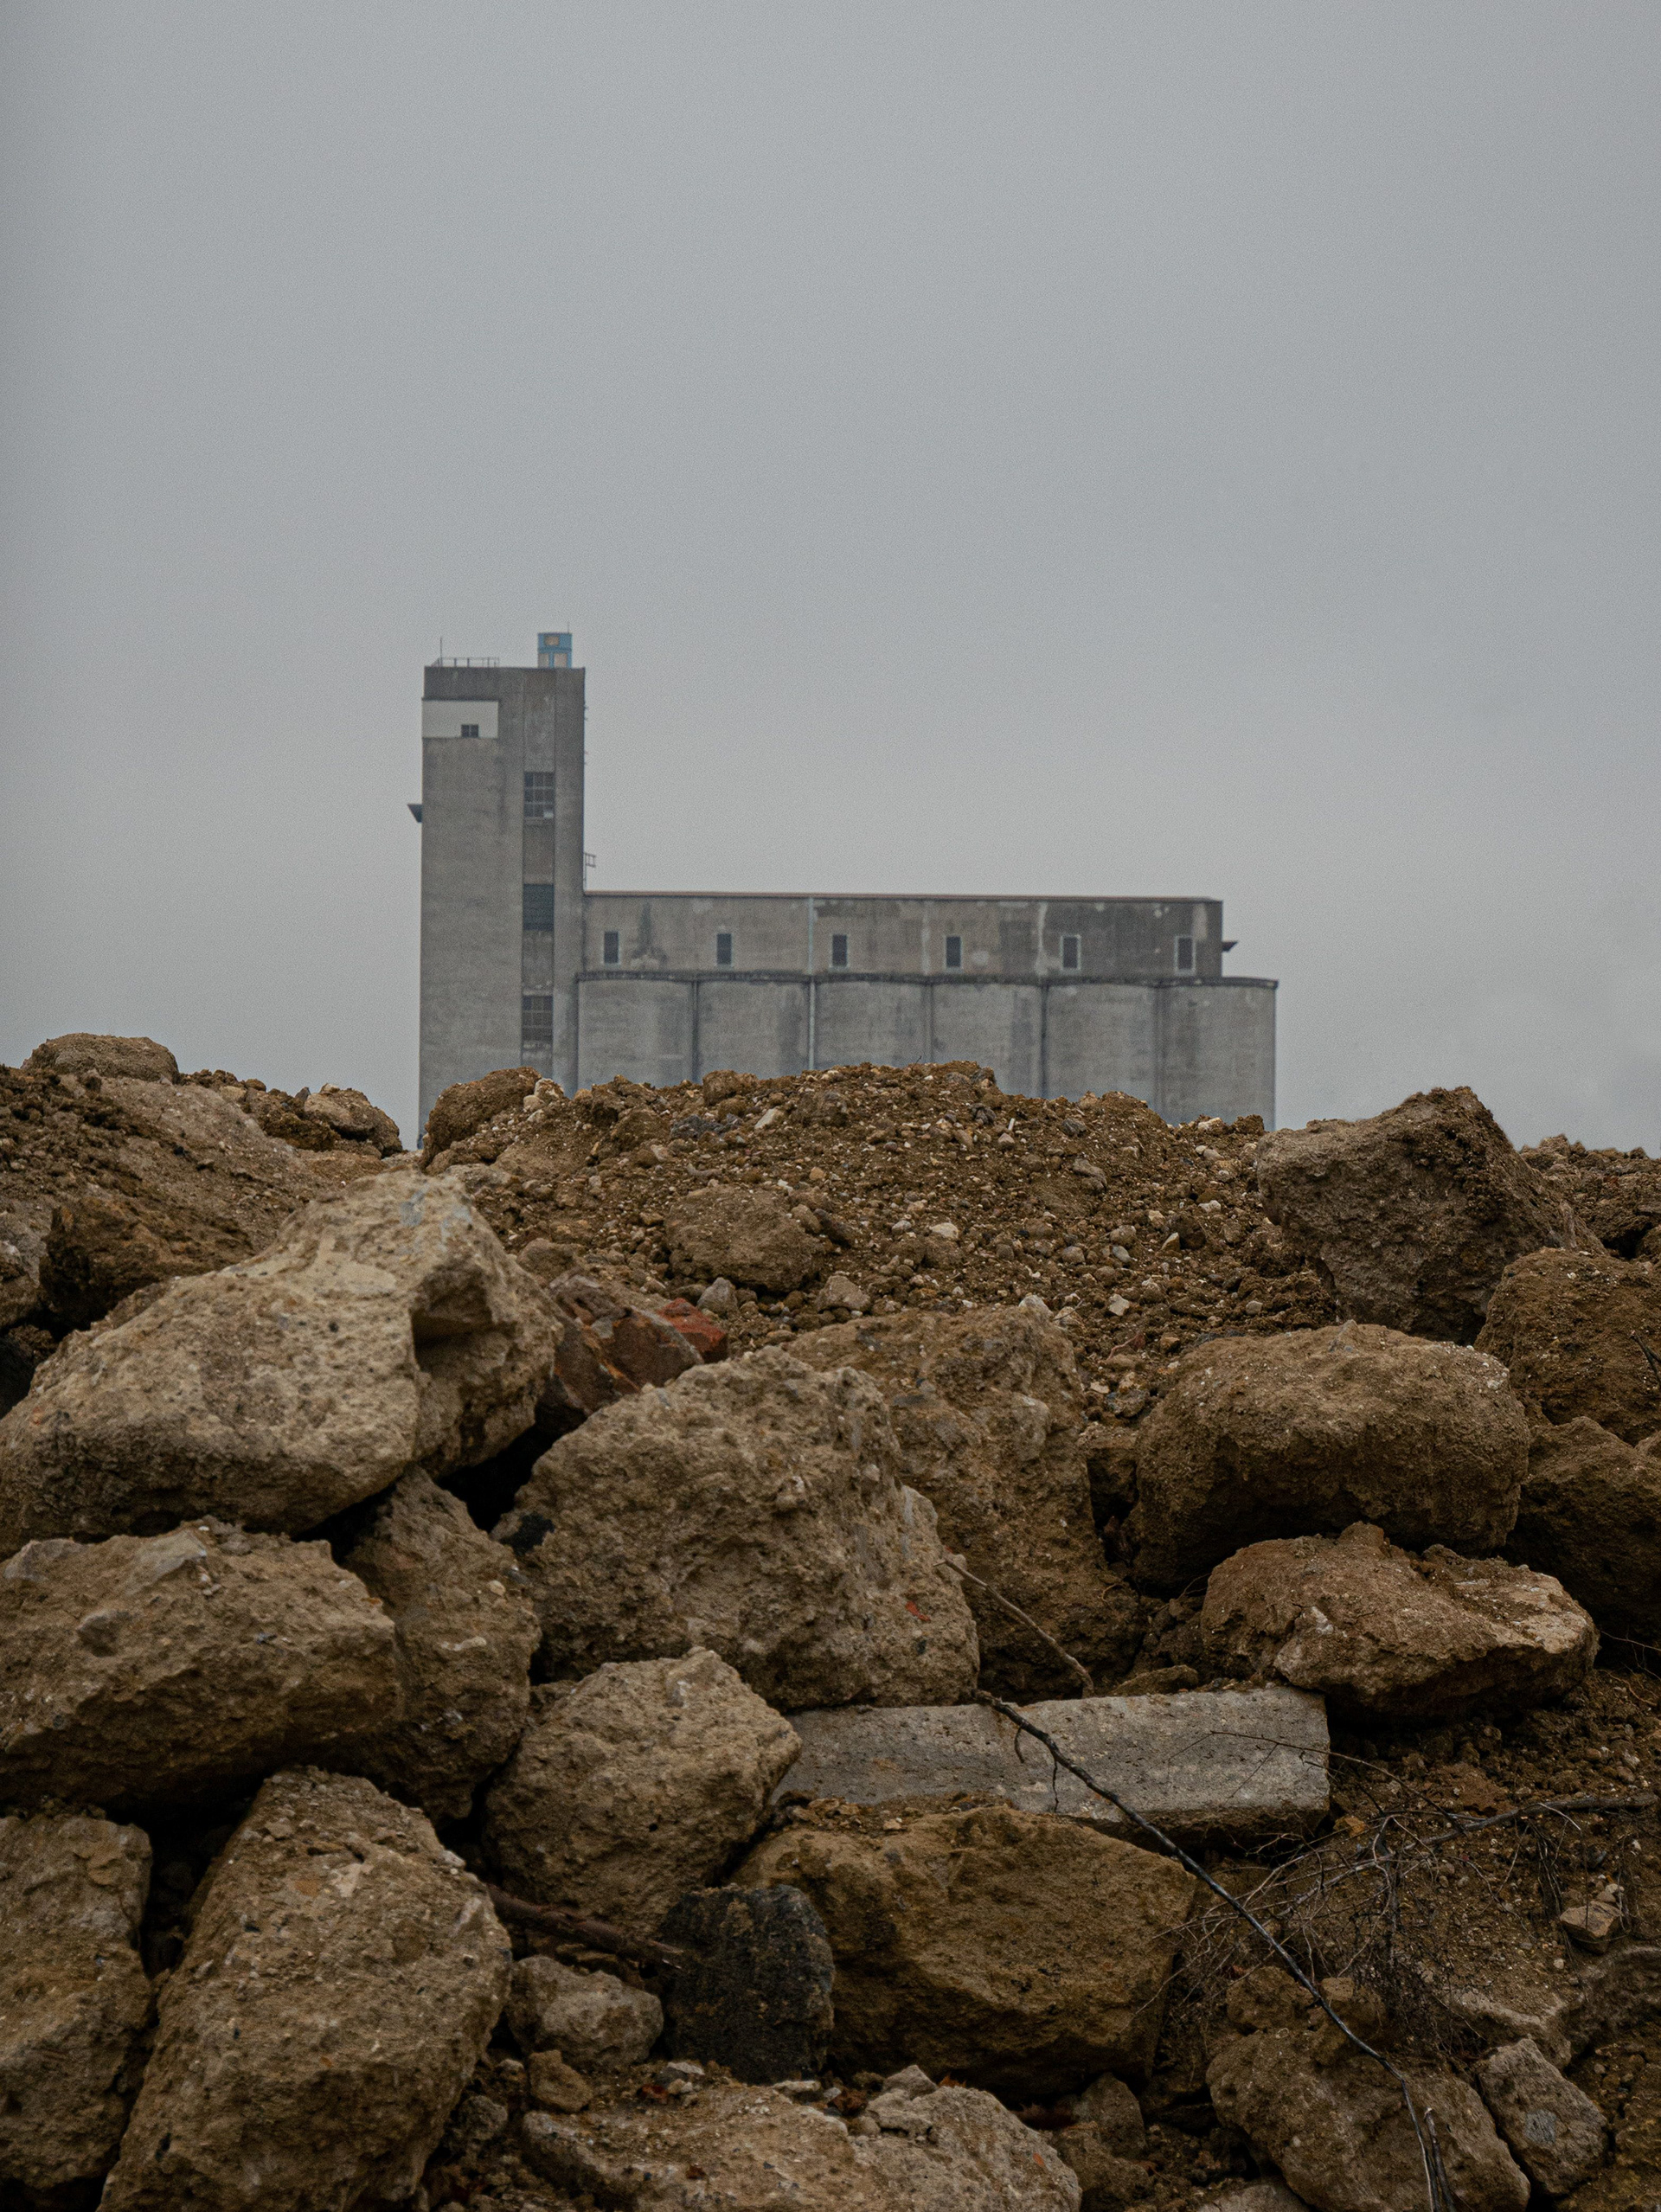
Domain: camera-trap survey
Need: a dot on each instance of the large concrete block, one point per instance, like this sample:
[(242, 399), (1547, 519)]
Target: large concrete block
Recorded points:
[(1241, 1765)]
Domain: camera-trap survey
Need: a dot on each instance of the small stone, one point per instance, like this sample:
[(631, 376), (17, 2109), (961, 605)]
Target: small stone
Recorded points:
[(554, 2086), (1111, 2108), (842, 1290), (593, 2020), (721, 1297), (1594, 1925)]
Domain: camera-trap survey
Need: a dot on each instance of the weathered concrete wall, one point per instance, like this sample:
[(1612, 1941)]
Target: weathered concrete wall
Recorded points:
[(1188, 1049), (670, 932)]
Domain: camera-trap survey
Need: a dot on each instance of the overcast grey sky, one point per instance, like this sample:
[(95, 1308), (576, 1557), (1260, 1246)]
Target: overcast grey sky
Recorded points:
[(1204, 450)]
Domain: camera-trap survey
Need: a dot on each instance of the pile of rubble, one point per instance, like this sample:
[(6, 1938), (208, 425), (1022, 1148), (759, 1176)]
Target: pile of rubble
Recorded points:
[(849, 1642)]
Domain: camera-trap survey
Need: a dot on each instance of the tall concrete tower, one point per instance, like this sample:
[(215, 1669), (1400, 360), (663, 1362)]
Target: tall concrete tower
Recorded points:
[(502, 916)]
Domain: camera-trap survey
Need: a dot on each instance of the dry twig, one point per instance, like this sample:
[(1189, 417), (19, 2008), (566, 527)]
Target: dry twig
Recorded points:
[(1043, 1634), (576, 1928)]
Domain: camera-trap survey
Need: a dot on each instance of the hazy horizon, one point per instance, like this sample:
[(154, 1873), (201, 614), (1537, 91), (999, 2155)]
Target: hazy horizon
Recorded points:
[(1064, 450)]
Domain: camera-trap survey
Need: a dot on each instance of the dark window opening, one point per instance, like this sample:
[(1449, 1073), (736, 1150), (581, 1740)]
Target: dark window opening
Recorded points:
[(535, 1022), (838, 951), (469, 729), (723, 948), (1184, 956), (612, 951), (954, 952), (539, 795), (1069, 951), (539, 906)]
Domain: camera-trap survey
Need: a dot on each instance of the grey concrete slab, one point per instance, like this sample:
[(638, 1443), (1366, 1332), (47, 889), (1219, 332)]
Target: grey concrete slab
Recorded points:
[(1230, 1764)]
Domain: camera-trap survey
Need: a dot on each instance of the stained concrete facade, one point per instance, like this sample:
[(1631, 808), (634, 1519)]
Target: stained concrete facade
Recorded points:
[(520, 964)]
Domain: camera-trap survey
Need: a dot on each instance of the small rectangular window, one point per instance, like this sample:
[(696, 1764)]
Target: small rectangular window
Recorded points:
[(1184, 956), (469, 729), (539, 795), (1069, 951), (723, 948), (535, 1022), (613, 949), (539, 906), (954, 952), (838, 951)]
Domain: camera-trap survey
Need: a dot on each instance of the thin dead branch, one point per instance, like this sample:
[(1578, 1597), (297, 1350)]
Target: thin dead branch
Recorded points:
[(577, 1927), (1043, 1634)]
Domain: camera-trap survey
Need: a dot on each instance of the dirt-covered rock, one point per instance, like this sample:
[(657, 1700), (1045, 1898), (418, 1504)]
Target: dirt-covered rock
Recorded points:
[(385, 1329), (753, 2149), (1413, 1214), (465, 1634), (634, 1786), (465, 1107), (986, 1408), (758, 1509), (1555, 2132), (1021, 1952), (101, 1248), (139, 1059), (349, 1114), (151, 1669), (594, 2021), (1379, 1631), (1287, 1436), (1571, 1327), (609, 1346), (1334, 2122), (73, 1999), (342, 1978), (1590, 1515), (750, 1236)]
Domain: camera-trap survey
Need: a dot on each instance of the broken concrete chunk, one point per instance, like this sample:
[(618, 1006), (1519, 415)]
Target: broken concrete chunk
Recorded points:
[(755, 1509), (1334, 2122), (1381, 1632), (1026, 1952), (985, 1410), (340, 1983), (753, 1992), (594, 2020), (634, 1786), (1295, 1435), (386, 1329), (349, 1114), (1242, 1765), (1555, 2132), (73, 1997), (1571, 1328), (154, 1669), (608, 1347), (466, 1633), (1413, 1214), (965, 2152)]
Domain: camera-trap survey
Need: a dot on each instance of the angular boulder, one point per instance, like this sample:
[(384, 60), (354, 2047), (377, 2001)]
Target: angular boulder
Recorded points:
[(385, 1329), (1025, 1954), (1571, 1328), (609, 1346), (73, 1998), (634, 1786), (1590, 1515), (350, 1114), (749, 1236), (1413, 1214), (1380, 1633), (341, 1981), (465, 1634), (1555, 2132), (1334, 2122), (757, 1509), (985, 1410), (751, 2150), (1260, 1437), (595, 2022), (466, 1107), (753, 1991), (154, 1669)]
